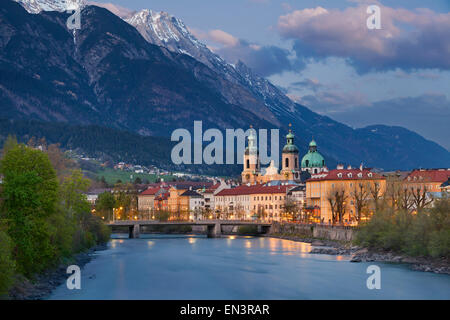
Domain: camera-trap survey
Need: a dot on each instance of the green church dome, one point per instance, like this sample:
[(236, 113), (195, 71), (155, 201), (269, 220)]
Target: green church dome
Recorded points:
[(290, 147), (313, 158)]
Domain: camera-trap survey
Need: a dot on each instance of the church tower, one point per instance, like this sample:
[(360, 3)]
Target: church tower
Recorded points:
[(252, 166), (290, 169)]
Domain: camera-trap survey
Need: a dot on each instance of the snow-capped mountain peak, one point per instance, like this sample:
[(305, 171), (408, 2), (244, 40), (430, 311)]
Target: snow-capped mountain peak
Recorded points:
[(36, 6), (165, 30), (161, 28)]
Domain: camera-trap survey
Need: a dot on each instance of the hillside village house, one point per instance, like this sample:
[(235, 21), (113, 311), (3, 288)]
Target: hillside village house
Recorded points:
[(320, 189)]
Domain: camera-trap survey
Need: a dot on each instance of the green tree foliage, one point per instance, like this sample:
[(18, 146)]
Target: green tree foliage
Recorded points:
[(45, 219), (426, 233), (7, 264), (30, 186), (30, 194), (72, 191), (105, 204)]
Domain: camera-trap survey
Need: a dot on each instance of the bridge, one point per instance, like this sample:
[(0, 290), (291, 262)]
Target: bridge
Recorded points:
[(214, 227)]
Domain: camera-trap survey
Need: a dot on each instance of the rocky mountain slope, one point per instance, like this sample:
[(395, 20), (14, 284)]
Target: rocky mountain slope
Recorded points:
[(108, 74)]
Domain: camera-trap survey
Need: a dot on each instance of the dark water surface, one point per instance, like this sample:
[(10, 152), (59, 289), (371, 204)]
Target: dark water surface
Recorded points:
[(194, 267)]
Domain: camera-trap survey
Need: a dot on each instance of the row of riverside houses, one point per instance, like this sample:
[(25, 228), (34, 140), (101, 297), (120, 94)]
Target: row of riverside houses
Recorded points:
[(304, 190)]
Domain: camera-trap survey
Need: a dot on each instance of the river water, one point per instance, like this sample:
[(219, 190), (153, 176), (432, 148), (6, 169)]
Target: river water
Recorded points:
[(194, 267)]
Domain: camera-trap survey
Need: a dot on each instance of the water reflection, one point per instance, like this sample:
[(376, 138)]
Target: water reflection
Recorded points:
[(234, 267)]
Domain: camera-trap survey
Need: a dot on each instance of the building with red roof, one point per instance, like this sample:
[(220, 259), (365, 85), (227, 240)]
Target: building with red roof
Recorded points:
[(147, 197), (428, 179), (247, 201), (331, 195)]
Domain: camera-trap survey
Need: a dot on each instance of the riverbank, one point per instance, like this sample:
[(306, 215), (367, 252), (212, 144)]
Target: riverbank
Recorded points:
[(338, 240), (43, 284), (359, 254)]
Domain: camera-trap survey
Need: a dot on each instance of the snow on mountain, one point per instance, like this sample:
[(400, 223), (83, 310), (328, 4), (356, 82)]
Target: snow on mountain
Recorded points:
[(163, 29), (36, 6)]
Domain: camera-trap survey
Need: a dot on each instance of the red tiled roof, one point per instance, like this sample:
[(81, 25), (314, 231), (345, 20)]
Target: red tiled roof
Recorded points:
[(150, 191), (432, 175), (346, 174), (253, 189)]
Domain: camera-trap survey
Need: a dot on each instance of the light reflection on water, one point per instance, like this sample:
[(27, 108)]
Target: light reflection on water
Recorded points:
[(234, 267)]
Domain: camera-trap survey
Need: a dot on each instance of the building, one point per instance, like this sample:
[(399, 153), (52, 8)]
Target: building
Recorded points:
[(313, 161), (445, 187), (429, 180), (331, 193), (290, 168), (147, 197), (175, 202), (250, 201), (195, 204), (297, 195), (161, 201), (92, 194), (209, 195)]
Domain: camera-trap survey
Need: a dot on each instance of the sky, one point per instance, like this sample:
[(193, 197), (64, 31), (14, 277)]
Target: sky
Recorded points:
[(323, 55)]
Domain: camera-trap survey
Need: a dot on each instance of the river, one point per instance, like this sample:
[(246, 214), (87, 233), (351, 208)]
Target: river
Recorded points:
[(195, 267)]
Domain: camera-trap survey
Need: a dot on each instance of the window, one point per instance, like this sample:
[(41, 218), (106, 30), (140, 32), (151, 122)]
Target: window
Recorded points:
[(286, 162), (339, 175), (296, 163), (307, 162), (248, 163), (350, 175)]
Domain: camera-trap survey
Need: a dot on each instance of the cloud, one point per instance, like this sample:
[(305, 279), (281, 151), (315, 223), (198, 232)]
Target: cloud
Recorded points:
[(119, 11), (264, 60), (223, 38), (329, 102), (312, 84), (409, 39)]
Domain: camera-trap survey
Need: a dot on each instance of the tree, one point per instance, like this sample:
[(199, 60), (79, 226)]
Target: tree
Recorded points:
[(420, 197), (138, 180), (375, 191), (105, 204), (337, 197), (290, 208), (360, 195), (30, 196), (60, 162), (10, 142), (72, 192), (7, 265), (30, 186)]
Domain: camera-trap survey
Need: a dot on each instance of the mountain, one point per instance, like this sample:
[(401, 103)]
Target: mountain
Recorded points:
[(36, 6), (107, 144), (163, 29), (109, 75)]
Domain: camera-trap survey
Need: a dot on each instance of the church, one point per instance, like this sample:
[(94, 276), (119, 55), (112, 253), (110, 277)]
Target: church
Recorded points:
[(292, 170)]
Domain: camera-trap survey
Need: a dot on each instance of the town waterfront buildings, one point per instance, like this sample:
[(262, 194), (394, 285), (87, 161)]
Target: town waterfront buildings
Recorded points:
[(304, 189)]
